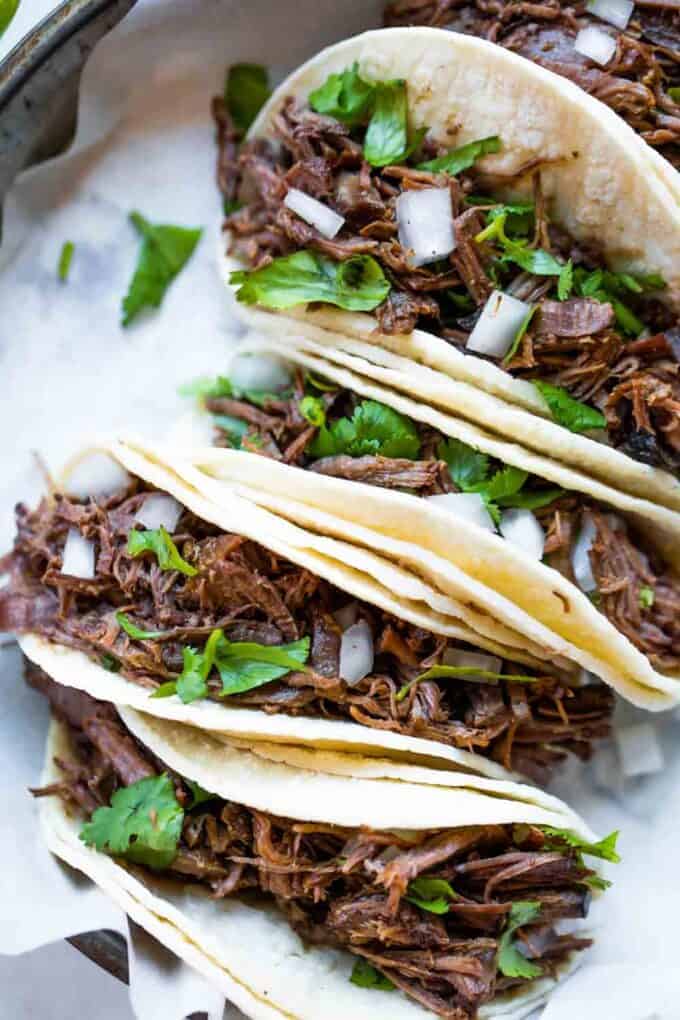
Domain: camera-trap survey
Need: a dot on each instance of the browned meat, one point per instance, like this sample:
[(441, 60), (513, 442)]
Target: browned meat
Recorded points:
[(576, 317), (383, 471)]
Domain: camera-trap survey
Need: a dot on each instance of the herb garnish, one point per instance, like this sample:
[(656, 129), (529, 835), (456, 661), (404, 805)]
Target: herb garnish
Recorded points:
[(246, 91), (374, 428), (159, 543), (365, 975), (462, 158), (511, 962), (135, 632), (472, 673), (164, 253), (431, 894), (566, 411), (65, 259)]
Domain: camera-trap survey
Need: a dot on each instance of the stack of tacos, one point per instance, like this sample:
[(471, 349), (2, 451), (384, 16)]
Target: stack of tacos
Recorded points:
[(306, 665)]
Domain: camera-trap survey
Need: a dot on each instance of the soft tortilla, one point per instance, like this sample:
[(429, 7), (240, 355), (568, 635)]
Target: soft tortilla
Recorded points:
[(602, 184), (248, 950)]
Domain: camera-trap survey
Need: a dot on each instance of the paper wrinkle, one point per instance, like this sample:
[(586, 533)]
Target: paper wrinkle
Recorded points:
[(145, 141)]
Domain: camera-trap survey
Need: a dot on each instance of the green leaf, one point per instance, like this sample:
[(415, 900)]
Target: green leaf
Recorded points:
[(163, 548), (198, 794), (164, 253), (322, 385), (313, 410), (511, 962), (136, 632), (625, 318), (647, 597), (532, 499), (8, 9), (143, 823), (467, 466), (192, 682), (345, 96), (65, 258), (246, 92), (245, 665), (563, 839), (357, 285), (472, 673), (674, 93), (110, 663), (504, 484), (234, 428), (372, 429), (166, 690), (526, 321), (462, 158), (532, 260), (610, 287), (518, 217), (570, 413), (565, 283), (386, 140), (431, 894), (365, 975)]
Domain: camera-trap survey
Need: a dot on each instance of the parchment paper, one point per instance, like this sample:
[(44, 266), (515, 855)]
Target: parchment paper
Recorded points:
[(67, 370)]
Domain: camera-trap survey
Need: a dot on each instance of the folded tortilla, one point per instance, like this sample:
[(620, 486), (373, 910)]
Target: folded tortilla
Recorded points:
[(245, 947), (602, 184)]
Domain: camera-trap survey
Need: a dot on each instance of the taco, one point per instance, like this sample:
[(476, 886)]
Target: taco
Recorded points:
[(635, 68), (432, 195), (231, 618), (318, 885), (579, 556)]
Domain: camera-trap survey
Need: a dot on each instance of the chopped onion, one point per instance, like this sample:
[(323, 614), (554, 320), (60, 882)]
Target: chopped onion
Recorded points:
[(521, 528), (467, 505), (356, 653), (78, 558), (616, 12), (472, 660), (96, 476), (346, 616), (425, 220), (496, 328), (259, 372), (639, 750), (580, 560), (595, 44), (159, 509), (318, 215)]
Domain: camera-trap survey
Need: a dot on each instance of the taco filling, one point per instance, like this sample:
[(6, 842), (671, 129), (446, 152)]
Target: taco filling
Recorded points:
[(192, 611), (634, 67), (347, 205), (313, 424), (451, 917)]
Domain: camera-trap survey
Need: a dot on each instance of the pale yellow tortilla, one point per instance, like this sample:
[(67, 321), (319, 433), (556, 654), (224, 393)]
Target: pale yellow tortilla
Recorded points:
[(605, 186), (247, 949)]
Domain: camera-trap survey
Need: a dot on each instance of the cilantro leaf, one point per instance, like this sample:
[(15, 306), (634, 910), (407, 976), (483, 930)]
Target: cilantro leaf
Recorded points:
[(313, 410), (345, 96), (246, 92), (462, 158), (431, 894), (142, 824), (566, 411), (165, 251), (511, 962), (565, 283), (8, 9), (532, 499), (198, 794), (674, 93), (192, 682), (357, 285), (163, 548), (647, 597), (234, 428), (206, 387), (607, 286), (365, 975), (504, 484), (65, 259), (136, 632), (110, 663), (245, 665), (519, 336), (605, 850), (372, 429), (532, 260), (472, 673), (467, 466), (386, 140)]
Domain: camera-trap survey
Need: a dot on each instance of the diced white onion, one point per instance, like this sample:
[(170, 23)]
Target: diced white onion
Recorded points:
[(159, 509), (595, 44), (259, 372), (318, 215), (467, 505), (346, 616), (425, 220), (521, 528), (78, 559), (356, 652), (498, 325), (580, 560), (472, 660), (96, 476), (639, 750), (616, 12)]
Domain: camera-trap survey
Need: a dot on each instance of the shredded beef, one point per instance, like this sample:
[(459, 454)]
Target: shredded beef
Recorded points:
[(255, 595), (349, 888)]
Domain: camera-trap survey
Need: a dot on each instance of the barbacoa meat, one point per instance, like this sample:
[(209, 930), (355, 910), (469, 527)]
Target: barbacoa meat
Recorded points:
[(255, 595), (635, 83), (348, 888)]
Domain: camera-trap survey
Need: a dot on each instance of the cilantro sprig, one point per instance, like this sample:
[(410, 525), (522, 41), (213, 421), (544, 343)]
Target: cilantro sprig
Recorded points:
[(8, 9), (159, 543), (365, 975), (373, 428), (245, 93), (434, 895), (135, 632), (566, 411), (165, 251), (472, 673), (511, 962), (462, 158)]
